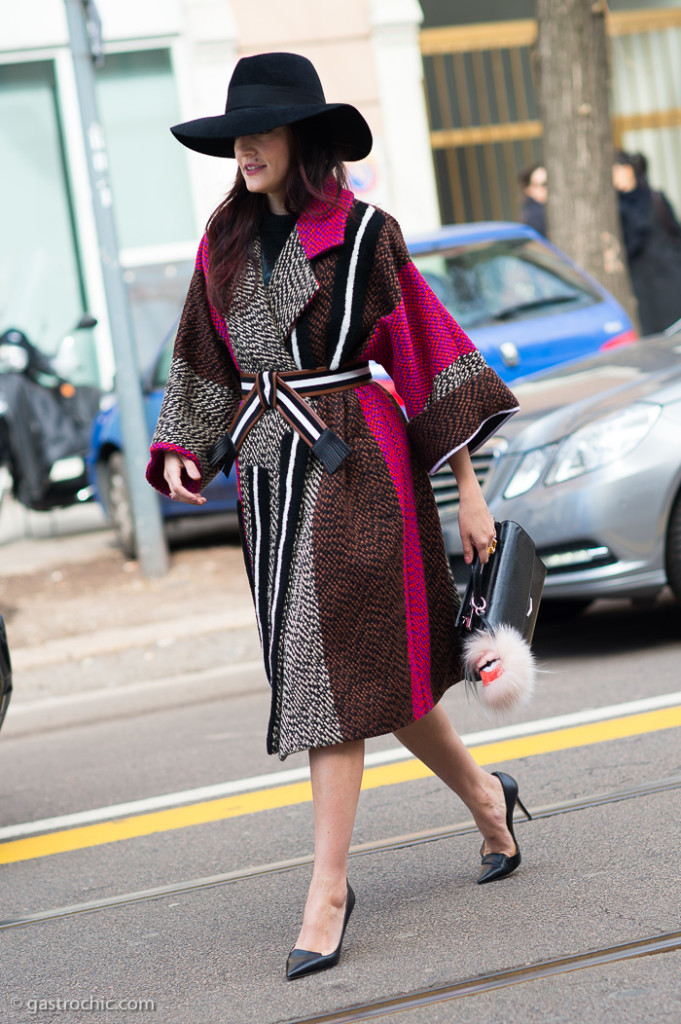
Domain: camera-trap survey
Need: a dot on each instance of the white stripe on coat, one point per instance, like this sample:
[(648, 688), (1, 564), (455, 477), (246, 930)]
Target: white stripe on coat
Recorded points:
[(345, 325), (257, 527), (295, 350), (284, 519)]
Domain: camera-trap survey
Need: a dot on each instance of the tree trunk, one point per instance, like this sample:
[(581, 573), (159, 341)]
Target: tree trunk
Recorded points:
[(573, 77)]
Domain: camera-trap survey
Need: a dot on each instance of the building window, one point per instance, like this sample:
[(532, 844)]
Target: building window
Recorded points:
[(137, 103), (40, 284)]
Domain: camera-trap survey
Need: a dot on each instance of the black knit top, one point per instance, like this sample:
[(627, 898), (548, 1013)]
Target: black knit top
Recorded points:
[(274, 230)]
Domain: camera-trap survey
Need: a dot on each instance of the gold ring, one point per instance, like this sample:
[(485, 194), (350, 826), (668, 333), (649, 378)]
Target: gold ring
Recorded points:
[(492, 548)]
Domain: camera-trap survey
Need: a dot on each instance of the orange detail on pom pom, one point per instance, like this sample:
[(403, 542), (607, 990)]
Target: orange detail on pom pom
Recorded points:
[(505, 659), (495, 671)]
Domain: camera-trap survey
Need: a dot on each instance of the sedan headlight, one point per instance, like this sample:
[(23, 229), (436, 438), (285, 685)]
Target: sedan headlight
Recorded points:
[(602, 442), (529, 472), (596, 445)]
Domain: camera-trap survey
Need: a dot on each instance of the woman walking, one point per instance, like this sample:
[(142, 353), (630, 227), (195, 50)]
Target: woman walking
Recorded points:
[(297, 286)]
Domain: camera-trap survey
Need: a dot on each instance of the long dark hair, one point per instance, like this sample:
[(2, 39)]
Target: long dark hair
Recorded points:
[(233, 226)]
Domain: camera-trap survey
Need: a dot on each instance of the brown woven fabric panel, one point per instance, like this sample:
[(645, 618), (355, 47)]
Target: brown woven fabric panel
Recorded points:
[(357, 536), (383, 292), (442, 596), (464, 369), (460, 416), (198, 344)]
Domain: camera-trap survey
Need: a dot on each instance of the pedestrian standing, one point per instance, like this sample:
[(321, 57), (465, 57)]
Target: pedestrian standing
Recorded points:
[(652, 239), (533, 182), (297, 286)]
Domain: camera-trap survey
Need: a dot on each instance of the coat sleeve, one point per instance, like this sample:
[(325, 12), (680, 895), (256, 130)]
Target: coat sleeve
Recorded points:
[(202, 393), (452, 398)]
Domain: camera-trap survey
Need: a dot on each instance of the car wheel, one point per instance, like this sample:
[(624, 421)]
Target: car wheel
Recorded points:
[(674, 549), (119, 504)]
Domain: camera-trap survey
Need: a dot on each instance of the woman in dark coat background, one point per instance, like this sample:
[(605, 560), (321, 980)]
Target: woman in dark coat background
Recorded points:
[(297, 286), (652, 238)]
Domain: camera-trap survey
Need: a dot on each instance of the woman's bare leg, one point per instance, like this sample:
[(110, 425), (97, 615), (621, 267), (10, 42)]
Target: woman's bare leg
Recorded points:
[(336, 775), (434, 740)]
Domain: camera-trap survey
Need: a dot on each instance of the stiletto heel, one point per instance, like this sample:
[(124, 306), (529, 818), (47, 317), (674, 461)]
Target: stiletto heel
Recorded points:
[(498, 865), (523, 808), (304, 961)]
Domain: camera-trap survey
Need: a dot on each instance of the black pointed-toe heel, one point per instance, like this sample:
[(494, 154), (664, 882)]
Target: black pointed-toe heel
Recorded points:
[(303, 961), (498, 865)]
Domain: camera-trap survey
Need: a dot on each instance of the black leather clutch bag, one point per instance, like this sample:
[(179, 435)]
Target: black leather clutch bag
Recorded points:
[(508, 589), (497, 617), (5, 672)]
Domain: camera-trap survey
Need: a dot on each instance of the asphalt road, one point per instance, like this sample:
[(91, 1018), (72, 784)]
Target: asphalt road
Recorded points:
[(198, 882)]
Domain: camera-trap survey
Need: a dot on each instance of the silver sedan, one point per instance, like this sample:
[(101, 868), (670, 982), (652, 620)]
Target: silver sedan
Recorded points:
[(591, 468)]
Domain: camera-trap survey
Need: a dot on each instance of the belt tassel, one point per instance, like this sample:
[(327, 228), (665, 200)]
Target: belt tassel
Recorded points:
[(286, 392), (331, 449)]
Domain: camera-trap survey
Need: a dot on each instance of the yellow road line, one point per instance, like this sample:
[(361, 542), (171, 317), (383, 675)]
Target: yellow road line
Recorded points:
[(300, 792)]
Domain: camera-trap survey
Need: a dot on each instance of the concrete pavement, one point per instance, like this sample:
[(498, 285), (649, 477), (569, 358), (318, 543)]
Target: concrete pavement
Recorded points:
[(81, 618), (186, 706)]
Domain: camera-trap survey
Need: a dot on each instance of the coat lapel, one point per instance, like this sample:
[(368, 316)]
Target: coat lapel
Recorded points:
[(256, 338), (292, 285), (261, 322), (321, 226)]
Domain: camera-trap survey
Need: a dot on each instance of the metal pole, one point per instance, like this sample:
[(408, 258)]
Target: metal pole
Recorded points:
[(85, 41)]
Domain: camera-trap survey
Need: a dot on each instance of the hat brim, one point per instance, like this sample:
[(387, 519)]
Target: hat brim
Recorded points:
[(340, 124)]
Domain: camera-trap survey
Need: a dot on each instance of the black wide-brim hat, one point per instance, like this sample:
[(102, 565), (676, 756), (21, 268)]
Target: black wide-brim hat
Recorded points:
[(273, 89)]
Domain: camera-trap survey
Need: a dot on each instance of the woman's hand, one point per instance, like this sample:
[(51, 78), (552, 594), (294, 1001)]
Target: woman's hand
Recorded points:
[(173, 465), (476, 523)]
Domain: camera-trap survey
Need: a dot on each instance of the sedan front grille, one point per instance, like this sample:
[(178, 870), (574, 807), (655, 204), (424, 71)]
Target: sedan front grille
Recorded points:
[(444, 482)]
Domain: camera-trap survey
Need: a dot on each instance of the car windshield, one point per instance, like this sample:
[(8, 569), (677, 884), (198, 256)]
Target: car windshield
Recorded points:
[(501, 280)]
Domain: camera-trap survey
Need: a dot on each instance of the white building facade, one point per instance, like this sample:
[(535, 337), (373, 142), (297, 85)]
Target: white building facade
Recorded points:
[(168, 61)]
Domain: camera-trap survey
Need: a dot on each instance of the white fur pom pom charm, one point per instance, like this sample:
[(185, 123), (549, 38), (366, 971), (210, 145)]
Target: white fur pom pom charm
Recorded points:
[(503, 661)]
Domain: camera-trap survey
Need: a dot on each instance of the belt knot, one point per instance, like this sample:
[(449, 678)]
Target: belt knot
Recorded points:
[(266, 385), (286, 392)]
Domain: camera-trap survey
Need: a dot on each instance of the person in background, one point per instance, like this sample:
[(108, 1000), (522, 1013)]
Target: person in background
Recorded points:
[(652, 239), (533, 182)]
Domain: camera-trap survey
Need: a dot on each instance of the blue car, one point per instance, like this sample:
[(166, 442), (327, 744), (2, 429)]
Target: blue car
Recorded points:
[(107, 470), (526, 306)]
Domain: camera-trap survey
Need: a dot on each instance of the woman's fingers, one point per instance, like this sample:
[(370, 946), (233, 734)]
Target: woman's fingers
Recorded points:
[(174, 465), (191, 468), (480, 539)]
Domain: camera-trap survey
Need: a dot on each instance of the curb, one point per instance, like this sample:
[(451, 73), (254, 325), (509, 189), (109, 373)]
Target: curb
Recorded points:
[(51, 714), (114, 641)]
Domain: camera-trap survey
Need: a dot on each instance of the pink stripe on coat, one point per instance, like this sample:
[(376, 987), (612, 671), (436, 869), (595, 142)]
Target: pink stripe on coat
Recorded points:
[(387, 426)]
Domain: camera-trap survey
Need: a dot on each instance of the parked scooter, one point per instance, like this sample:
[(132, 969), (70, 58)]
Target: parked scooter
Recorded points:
[(45, 424)]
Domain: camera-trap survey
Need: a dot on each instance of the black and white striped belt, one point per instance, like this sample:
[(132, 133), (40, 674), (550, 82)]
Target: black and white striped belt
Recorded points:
[(286, 392)]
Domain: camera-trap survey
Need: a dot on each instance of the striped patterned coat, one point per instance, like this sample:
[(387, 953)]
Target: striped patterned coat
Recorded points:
[(352, 590)]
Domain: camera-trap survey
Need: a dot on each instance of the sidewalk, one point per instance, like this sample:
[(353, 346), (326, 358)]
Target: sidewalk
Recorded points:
[(81, 617)]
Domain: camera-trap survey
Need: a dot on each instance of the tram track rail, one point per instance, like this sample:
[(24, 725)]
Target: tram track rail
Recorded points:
[(541, 969), (365, 849)]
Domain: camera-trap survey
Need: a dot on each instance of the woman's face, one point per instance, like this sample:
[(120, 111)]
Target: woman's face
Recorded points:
[(264, 160), (624, 177)]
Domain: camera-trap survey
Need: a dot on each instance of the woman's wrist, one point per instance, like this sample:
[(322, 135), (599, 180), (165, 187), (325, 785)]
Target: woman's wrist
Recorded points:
[(462, 468)]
